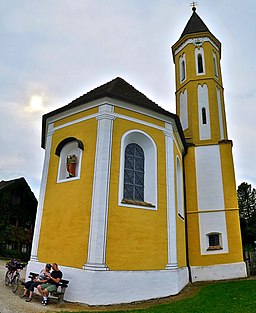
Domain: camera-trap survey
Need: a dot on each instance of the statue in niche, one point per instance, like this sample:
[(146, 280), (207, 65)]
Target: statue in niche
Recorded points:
[(71, 165)]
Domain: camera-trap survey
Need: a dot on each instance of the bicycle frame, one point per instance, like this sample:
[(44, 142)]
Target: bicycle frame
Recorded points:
[(12, 277)]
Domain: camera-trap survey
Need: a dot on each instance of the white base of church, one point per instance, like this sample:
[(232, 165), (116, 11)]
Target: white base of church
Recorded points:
[(218, 272), (113, 287)]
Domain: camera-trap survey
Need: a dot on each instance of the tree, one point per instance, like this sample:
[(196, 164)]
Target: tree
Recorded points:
[(246, 196)]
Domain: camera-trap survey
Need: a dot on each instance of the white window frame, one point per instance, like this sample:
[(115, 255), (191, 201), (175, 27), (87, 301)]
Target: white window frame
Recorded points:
[(150, 167), (211, 248), (197, 52), (182, 65), (215, 65)]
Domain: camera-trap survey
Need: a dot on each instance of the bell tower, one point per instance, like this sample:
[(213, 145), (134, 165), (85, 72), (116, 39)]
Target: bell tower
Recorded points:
[(214, 240)]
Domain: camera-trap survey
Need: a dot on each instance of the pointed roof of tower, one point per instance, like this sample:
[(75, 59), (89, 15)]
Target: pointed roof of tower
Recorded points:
[(117, 89), (194, 25)]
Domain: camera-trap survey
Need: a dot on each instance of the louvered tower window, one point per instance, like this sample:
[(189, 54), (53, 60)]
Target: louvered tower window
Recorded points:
[(134, 173)]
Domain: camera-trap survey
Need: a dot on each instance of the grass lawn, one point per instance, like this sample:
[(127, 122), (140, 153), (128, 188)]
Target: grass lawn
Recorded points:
[(222, 297)]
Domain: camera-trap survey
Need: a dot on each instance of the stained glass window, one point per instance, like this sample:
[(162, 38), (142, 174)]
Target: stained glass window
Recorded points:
[(134, 173)]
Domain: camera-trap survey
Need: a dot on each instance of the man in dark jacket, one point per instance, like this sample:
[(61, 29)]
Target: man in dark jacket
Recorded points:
[(52, 283)]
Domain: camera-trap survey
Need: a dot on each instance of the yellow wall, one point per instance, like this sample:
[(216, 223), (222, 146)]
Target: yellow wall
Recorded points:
[(230, 198), (66, 214), (136, 238)]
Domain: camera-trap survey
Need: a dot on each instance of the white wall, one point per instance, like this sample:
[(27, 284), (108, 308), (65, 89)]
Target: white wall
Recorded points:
[(112, 287)]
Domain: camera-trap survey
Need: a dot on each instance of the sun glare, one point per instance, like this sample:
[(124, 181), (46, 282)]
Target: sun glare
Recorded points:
[(36, 103)]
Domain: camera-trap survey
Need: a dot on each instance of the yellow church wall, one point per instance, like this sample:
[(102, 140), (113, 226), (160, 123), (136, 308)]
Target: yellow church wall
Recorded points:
[(76, 116), (66, 214), (191, 206), (232, 218), (180, 222), (136, 238), (230, 198)]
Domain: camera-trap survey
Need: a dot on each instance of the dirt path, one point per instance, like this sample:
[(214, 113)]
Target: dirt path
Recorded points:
[(11, 303)]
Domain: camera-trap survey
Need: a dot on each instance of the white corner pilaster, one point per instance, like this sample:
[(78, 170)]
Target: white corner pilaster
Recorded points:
[(39, 213), (99, 210), (171, 208)]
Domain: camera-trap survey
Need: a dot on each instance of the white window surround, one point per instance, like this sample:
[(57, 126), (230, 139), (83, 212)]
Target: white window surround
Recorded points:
[(203, 102), (197, 52), (69, 149), (179, 191), (150, 167), (215, 65), (184, 109), (220, 113)]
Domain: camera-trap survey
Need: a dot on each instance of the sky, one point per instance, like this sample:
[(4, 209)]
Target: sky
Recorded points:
[(53, 51)]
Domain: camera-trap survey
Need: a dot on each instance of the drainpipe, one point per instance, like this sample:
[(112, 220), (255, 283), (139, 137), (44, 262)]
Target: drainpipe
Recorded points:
[(186, 223)]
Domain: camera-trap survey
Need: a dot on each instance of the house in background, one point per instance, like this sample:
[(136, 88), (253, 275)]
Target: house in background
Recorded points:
[(18, 211), (136, 201)]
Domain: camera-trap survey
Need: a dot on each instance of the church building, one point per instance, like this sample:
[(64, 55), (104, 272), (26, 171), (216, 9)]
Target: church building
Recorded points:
[(136, 201)]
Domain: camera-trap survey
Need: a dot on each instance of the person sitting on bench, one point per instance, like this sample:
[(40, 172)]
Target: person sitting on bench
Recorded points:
[(40, 279), (51, 285)]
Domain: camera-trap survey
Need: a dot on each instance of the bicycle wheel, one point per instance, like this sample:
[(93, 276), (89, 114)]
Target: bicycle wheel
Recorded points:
[(15, 283), (7, 280)]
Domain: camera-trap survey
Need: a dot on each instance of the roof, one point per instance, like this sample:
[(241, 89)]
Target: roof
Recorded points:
[(118, 89), (5, 183), (194, 25)]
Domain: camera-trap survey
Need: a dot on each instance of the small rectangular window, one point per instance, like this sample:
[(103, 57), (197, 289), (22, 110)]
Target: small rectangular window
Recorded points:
[(214, 242)]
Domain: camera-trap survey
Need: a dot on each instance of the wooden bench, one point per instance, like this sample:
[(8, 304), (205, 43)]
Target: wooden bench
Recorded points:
[(61, 288)]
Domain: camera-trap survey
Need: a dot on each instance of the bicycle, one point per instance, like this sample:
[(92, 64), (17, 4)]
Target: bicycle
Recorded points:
[(12, 276)]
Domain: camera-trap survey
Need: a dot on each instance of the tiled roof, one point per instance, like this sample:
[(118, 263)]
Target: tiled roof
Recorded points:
[(118, 89), (5, 183)]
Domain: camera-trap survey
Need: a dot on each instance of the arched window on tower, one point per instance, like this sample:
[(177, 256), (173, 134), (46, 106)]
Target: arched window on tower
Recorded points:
[(199, 59), (182, 62), (200, 63), (204, 119), (215, 65), (134, 173), (182, 70)]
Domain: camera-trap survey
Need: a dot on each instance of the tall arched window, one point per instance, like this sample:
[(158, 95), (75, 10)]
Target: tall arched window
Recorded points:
[(182, 62), (182, 70), (204, 116), (200, 63), (179, 187), (134, 173), (138, 171), (215, 65)]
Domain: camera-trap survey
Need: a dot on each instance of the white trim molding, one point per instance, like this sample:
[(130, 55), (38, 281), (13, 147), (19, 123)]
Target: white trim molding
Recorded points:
[(99, 211), (170, 191), (193, 41), (39, 212)]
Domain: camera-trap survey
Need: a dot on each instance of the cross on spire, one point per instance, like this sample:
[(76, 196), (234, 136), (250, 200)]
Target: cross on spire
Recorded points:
[(193, 5)]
